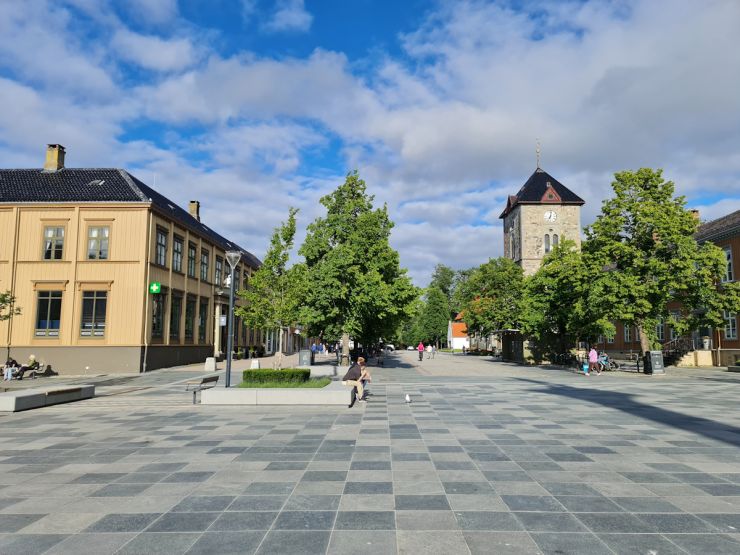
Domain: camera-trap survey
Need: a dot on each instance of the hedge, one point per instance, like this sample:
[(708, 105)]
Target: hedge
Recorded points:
[(282, 375)]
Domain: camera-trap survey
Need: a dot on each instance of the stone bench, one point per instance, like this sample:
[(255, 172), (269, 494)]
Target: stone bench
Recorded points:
[(333, 394), (25, 399)]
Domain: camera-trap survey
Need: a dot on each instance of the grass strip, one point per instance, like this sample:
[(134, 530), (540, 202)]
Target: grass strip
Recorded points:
[(313, 383)]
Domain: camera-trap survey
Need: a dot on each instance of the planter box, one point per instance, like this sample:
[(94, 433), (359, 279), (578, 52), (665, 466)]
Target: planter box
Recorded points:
[(333, 394), (25, 399)]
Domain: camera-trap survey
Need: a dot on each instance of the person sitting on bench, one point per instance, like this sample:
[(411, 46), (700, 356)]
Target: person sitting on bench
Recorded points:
[(11, 366), (31, 366)]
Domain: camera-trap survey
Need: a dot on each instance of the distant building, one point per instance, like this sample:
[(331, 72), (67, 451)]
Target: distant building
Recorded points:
[(79, 251), (457, 335)]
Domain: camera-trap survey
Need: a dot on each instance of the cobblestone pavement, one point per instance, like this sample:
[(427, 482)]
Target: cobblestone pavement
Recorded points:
[(501, 460)]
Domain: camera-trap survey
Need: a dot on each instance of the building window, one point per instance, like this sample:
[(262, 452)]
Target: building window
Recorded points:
[(189, 318), (660, 330), (191, 259), (610, 338), (547, 243), (203, 320), (160, 257), (177, 246), (237, 278), (627, 334), (175, 316), (53, 243), (94, 304), (219, 271), (730, 325), (97, 242), (245, 279), (729, 273), (48, 313), (555, 240), (158, 308), (674, 333), (204, 265)]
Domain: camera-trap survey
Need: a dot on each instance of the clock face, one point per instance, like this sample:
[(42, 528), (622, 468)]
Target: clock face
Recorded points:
[(551, 216)]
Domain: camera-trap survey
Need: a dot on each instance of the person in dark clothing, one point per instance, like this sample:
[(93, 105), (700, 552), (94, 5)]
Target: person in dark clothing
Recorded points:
[(354, 377), (31, 366)]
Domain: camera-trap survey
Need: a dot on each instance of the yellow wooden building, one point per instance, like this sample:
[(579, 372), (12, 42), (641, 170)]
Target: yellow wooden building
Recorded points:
[(79, 249)]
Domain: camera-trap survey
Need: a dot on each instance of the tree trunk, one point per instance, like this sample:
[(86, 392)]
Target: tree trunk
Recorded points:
[(280, 348), (345, 349), (644, 339)]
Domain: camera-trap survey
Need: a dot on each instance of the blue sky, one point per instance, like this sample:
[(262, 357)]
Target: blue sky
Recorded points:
[(252, 106)]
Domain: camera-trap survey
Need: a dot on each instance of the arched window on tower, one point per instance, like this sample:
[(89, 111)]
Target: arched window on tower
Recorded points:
[(554, 240), (547, 243)]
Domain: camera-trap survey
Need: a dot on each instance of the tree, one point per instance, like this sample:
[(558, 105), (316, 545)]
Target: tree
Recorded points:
[(435, 316), (644, 240), (443, 278), (355, 285), (491, 297), (7, 311), (273, 295), (556, 306), (459, 289)]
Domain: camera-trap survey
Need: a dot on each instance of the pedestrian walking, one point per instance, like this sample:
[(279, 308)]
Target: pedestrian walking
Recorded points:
[(429, 352), (434, 350), (593, 361), (420, 348)]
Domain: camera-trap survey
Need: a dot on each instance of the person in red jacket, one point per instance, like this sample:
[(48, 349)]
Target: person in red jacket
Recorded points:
[(420, 348)]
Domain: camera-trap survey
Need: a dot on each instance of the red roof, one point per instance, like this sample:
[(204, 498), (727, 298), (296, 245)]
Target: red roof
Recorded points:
[(459, 329)]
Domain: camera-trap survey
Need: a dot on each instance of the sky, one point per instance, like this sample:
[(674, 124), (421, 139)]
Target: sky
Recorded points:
[(253, 106)]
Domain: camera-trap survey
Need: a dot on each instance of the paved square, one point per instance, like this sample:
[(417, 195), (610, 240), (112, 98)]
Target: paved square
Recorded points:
[(488, 458)]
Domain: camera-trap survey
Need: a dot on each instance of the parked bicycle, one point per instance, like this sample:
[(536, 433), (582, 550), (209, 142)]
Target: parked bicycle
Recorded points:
[(606, 363)]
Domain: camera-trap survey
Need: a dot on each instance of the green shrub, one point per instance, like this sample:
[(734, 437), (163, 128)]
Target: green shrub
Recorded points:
[(282, 375)]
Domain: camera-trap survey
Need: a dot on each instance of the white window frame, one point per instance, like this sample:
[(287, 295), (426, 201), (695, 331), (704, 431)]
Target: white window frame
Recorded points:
[(729, 269), (627, 334), (730, 325)]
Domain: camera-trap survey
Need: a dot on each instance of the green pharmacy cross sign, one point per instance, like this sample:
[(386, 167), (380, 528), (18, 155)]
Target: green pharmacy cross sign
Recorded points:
[(155, 287)]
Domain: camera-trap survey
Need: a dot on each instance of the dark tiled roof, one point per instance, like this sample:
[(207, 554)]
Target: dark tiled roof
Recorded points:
[(96, 185), (725, 226), (534, 189)]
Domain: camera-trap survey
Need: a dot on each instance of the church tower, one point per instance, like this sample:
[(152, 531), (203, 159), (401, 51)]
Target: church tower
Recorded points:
[(542, 214)]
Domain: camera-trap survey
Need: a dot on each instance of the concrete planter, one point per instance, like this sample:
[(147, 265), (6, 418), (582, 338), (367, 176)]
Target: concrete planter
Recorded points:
[(333, 394), (25, 399)]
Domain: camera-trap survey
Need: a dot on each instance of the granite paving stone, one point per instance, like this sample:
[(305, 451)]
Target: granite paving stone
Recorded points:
[(488, 458)]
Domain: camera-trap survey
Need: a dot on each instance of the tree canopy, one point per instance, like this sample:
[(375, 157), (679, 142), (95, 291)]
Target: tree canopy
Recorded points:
[(491, 296), (354, 283), (643, 240), (274, 293), (434, 317)]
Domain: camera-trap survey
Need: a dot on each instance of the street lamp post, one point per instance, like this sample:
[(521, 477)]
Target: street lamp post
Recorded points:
[(233, 258)]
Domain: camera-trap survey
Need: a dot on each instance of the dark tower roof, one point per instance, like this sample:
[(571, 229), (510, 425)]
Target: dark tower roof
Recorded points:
[(542, 188)]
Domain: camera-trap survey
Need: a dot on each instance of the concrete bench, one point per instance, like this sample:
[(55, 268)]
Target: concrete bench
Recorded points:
[(199, 385), (26, 399), (333, 394)]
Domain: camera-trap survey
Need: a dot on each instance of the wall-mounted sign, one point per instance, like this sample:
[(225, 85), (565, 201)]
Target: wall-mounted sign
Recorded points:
[(223, 321), (155, 287)]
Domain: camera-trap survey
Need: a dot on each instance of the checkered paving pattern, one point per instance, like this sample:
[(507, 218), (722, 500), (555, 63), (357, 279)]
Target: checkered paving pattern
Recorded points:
[(532, 463)]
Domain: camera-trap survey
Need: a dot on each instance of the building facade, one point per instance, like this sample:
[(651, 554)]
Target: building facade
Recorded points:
[(80, 250)]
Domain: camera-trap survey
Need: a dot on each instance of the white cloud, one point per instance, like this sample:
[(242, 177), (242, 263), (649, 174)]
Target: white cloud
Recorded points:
[(442, 133), (152, 11), (289, 15), (152, 52)]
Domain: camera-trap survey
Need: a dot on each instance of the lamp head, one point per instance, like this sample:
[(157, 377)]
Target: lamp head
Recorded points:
[(233, 258)]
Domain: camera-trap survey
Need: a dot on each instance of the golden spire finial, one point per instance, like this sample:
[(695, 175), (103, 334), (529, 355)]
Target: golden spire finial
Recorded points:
[(538, 150)]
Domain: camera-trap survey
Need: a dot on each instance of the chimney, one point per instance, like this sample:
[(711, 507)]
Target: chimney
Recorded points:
[(54, 158), (695, 213), (195, 209)]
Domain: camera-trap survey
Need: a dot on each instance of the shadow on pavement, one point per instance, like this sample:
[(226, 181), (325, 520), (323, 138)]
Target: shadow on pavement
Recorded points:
[(626, 403)]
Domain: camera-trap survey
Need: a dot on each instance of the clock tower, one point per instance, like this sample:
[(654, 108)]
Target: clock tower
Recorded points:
[(542, 214)]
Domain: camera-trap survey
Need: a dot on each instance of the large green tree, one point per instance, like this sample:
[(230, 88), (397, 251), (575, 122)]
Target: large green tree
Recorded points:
[(556, 305), (435, 316), (274, 293), (355, 285), (7, 311), (491, 296), (443, 278), (643, 240)]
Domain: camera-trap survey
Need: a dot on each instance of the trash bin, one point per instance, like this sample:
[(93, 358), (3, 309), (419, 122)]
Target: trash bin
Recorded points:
[(654, 362), (304, 357)]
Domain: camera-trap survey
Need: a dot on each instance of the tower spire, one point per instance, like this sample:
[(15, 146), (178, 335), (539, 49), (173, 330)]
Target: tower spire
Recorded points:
[(538, 150)]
